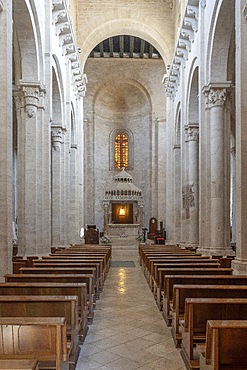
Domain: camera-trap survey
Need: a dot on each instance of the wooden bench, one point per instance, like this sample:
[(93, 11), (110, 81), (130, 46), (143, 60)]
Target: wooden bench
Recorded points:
[(185, 271), (153, 260), (64, 270), (57, 278), (171, 280), (78, 259), (47, 306), (42, 338), (19, 364), (226, 345), (181, 292), (197, 312), (53, 289), (85, 255), (160, 269), (73, 264)]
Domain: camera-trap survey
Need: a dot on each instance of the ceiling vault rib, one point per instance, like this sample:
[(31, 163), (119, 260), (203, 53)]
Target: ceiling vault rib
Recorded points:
[(142, 48), (131, 46), (121, 43)]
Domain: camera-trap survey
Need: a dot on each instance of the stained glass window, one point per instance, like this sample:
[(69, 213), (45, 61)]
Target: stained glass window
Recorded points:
[(121, 151)]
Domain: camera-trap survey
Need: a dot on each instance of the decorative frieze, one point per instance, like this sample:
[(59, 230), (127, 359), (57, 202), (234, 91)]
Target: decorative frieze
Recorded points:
[(63, 29), (186, 37)]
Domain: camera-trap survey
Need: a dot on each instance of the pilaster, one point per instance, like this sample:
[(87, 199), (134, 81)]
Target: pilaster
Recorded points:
[(5, 138), (240, 263)]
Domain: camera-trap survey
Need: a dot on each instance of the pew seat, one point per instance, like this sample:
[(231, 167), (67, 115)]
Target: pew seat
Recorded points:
[(53, 289), (39, 338), (197, 312), (181, 292), (19, 364), (226, 345), (47, 306)]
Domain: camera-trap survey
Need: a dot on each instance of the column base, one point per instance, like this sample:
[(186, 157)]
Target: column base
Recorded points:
[(222, 252), (239, 266), (188, 245)]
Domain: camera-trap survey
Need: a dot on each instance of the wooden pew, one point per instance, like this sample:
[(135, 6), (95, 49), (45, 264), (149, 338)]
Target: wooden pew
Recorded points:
[(181, 292), (19, 364), (72, 264), (47, 306), (171, 280), (85, 255), (53, 289), (159, 271), (64, 270), (42, 338), (185, 271), (57, 278), (197, 312), (79, 259), (226, 344)]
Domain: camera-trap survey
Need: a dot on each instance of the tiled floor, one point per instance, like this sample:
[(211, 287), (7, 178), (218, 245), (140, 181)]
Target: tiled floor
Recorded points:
[(128, 331)]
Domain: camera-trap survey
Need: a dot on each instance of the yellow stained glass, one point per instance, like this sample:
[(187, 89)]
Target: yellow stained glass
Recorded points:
[(121, 151)]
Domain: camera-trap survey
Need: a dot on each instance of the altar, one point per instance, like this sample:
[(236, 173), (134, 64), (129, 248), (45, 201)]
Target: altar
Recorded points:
[(123, 209)]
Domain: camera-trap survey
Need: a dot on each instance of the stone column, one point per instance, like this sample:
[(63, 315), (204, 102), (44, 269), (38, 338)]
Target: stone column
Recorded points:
[(6, 138), (240, 263), (193, 185), (57, 141), (106, 216), (73, 221), (219, 188), (185, 214), (233, 193), (177, 193), (32, 212)]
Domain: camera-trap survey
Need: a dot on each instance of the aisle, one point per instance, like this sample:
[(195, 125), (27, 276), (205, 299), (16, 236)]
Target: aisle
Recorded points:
[(128, 331)]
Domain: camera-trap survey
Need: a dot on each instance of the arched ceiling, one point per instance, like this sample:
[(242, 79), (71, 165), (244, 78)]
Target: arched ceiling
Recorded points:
[(125, 46)]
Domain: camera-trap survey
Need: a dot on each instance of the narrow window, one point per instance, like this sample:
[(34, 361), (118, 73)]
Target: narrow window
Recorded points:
[(121, 151)]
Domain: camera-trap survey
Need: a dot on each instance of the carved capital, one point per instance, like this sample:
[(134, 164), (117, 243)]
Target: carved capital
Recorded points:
[(203, 3), (57, 134), (217, 97), (193, 133), (216, 93), (245, 12), (28, 95)]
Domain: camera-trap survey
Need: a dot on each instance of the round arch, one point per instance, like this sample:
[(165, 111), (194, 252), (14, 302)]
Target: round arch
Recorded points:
[(29, 40), (220, 32), (125, 27)]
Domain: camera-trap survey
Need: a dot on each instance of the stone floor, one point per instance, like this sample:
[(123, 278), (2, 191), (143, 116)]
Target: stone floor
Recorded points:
[(128, 331)]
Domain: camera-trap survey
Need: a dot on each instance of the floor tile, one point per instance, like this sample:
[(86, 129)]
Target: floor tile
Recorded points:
[(128, 331)]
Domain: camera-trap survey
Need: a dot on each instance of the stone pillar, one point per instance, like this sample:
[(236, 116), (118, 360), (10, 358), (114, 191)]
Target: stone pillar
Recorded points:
[(177, 193), (32, 213), (193, 194), (57, 141), (233, 193), (73, 220), (6, 138), (185, 192), (106, 216), (219, 188), (240, 263)]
